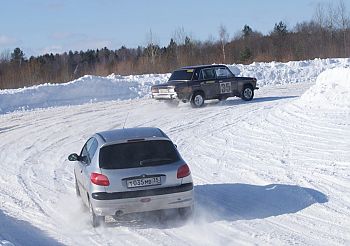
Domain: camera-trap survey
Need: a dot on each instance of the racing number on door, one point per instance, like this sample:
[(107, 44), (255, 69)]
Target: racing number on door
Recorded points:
[(225, 87)]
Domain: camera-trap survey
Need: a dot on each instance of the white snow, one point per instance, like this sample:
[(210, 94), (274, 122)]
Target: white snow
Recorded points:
[(273, 171), (90, 88), (332, 90)]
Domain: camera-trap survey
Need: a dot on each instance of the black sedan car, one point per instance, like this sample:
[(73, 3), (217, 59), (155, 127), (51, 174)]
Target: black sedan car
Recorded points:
[(199, 83)]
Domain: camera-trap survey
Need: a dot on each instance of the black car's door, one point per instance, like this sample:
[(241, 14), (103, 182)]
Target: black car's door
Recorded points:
[(227, 82), (209, 82)]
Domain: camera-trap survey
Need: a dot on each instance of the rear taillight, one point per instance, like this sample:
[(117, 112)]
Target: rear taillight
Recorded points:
[(155, 90), (99, 179), (183, 171)]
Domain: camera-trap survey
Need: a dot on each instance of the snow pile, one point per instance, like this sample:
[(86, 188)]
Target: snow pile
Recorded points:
[(278, 73), (83, 90), (332, 90), (116, 87)]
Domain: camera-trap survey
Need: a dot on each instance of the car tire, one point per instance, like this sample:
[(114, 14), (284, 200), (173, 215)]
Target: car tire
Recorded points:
[(96, 220), (247, 93), (186, 212), (197, 100), (77, 191)]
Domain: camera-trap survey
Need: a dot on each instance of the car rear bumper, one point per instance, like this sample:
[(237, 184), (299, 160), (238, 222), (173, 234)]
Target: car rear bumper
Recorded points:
[(142, 201)]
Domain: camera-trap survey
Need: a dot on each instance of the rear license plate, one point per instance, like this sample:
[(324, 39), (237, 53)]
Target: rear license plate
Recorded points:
[(142, 182), (163, 90)]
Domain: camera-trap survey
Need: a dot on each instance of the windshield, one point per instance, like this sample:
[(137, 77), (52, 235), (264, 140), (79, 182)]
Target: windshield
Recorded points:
[(181, 75), (138, 154)]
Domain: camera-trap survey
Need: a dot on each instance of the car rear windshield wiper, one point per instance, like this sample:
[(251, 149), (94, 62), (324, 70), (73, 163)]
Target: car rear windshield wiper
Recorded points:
[(154, 160)]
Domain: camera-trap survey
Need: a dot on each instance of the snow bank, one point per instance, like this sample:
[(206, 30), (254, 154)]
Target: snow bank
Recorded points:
[(83, 90), (278, 73), (332, 90), (116, 87)]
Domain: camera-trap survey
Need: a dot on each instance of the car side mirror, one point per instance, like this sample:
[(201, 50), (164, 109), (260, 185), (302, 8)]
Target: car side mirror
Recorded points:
[(175, 145), (73, 157)]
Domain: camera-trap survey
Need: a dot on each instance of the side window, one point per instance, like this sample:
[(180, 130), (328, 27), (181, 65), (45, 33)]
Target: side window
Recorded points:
[(85, 151), (207, 73), (93, 148), (195, 75), (223, 73)]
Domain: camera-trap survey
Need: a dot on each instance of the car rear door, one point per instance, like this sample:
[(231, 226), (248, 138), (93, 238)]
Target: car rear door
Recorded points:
[(209, 83)]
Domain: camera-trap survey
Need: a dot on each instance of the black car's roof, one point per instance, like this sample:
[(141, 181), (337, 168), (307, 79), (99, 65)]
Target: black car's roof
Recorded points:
[(202, 66), (131, 133)]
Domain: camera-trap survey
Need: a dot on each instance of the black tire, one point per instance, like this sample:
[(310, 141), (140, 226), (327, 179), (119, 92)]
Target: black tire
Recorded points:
[(77, 191), (96, 220), (197, 99), (186, 212), (247, 93)]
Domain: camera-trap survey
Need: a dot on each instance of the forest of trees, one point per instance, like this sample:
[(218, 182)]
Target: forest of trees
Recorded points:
[(326, 35)]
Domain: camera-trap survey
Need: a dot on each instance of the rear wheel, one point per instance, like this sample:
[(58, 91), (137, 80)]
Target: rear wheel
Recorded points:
[(247, 93), (197, 100), (96, 220)]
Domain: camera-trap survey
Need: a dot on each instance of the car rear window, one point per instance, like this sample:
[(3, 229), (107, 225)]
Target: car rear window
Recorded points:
[(181, 75), (138, 154)]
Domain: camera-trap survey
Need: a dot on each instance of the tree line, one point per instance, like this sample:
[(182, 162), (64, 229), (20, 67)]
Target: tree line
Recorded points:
[(326, 35)]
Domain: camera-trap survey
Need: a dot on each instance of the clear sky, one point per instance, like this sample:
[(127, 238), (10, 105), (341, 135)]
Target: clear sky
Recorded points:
[(41, 26)]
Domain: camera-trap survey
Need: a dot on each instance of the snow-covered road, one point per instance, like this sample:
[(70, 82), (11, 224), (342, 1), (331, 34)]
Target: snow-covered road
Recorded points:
[(274, 171)]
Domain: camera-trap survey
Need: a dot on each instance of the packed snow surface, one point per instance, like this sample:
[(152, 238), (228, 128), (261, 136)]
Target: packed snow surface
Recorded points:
[(273, 171)]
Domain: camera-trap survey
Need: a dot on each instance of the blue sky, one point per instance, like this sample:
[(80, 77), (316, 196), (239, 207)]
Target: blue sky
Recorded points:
[(38, 26)]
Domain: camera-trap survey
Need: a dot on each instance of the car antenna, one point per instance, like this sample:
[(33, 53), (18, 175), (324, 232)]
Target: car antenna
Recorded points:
[(126, 118)]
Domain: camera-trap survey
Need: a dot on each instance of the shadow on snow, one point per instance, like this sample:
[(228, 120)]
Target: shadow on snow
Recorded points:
[(238, 101), (246, 202), (230, 202), (18, 232)]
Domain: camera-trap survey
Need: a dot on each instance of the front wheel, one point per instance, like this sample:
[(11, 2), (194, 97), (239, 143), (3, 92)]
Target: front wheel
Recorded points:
[(197, 100), (247, 93)]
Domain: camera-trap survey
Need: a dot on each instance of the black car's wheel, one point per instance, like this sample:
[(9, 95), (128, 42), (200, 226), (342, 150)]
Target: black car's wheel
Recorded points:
[(247, 93), (77, 191), (197, 100), (96, 220)]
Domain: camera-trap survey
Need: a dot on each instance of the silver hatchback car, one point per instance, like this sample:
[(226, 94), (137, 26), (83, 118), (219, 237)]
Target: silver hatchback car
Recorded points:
[(132, 170)]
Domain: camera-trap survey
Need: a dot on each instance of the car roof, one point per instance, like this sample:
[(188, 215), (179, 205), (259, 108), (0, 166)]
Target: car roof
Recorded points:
[(202, 66), (130, 134)]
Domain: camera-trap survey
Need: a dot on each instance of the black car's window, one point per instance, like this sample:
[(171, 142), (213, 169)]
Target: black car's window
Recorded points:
[(223, 72), (138, 154), (207, 73), (185, 74)]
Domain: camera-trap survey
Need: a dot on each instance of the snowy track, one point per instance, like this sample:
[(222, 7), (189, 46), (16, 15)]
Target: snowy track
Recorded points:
[(270, 171)]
